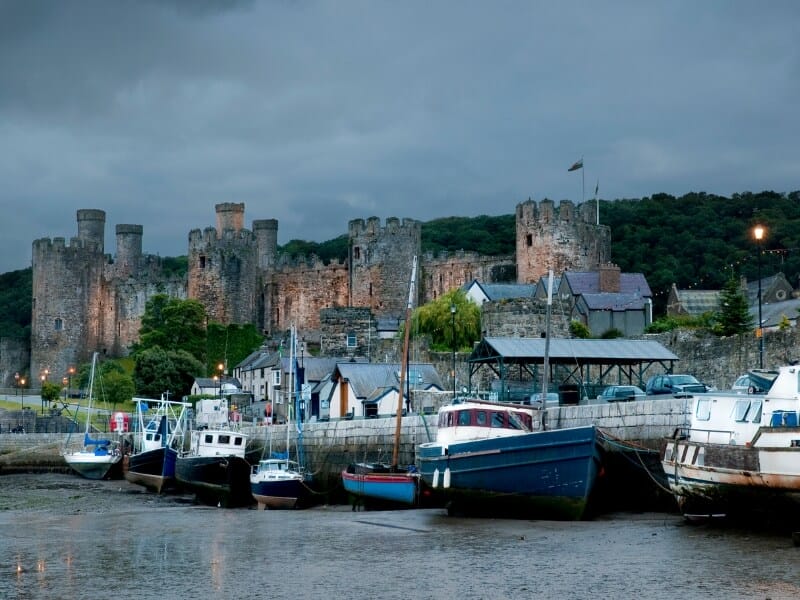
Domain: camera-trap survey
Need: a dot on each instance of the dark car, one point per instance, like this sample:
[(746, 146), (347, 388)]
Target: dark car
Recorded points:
[(621, 393), (675, 384)]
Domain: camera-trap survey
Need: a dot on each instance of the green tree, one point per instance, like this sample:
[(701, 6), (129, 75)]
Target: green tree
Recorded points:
[(50, 391), (230, 344), (158, 371), (579, 330), (436, 320), (174, 324), (733, 317), (116, 387)]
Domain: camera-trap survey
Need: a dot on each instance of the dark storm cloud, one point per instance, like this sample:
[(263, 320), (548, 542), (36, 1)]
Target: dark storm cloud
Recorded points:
[(315, 113)]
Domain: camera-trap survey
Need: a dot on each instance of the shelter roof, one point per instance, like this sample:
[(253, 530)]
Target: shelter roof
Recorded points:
[(570, 351)]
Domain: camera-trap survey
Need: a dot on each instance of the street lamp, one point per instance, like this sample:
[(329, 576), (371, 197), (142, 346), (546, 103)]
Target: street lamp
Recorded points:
[(65, 383), (41, 393), (70, 373), (758, 233), (453, 319), (221, 369), (216, 379), (22, 388)]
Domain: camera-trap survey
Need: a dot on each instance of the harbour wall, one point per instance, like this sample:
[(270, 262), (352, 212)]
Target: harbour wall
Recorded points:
[(328, 447)]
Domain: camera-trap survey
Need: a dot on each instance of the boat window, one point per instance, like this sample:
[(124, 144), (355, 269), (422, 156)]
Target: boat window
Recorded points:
[(480, 418), (224, 439), (755, 411), (463, 417), (514, 421), (237, 441), (703, 410), (209, 438), (740, 410), (527, 420), (498, 419)]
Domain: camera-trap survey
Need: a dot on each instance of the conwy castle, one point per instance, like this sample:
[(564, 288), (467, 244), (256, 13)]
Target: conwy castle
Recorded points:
[(85, 299)]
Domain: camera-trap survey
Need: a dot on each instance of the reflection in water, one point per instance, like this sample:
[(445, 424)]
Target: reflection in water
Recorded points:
[(110, 540)]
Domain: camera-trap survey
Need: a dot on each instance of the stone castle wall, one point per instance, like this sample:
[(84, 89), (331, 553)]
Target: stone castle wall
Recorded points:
[(84, 300)]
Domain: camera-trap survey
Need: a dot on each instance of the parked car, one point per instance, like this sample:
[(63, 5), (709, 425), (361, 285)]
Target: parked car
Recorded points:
[(754, 382), (622, 393), (670, 383), (551, 401)]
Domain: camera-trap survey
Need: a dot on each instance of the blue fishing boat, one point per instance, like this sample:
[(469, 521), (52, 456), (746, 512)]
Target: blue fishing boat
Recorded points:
[(159, 430), (487, 459)]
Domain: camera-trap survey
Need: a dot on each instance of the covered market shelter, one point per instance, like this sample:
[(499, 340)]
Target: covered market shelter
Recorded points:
[(577, 367)]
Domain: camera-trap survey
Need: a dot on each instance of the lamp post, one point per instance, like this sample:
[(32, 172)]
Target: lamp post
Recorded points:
[(758, 233), (216, 379), (22, 388), (65, 383), (221, 369), (70, 373), (16, 384), (453, 321), (41, 393)]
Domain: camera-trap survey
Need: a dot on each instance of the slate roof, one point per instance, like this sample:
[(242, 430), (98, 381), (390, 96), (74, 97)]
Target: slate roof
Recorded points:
[(588, 282), (570, 351), (208, 382), (773, 313), (370, 381), (507, 291), (614, 302)]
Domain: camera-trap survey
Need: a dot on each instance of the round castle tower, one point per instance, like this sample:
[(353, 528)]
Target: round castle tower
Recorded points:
[(562, 238), (129, 249), (67, 292), (380, 260), (223, 267)]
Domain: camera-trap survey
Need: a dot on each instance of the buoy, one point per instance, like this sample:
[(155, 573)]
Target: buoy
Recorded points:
[(435, 482)]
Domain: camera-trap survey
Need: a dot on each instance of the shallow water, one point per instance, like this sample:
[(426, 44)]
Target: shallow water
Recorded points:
[(66, 537)]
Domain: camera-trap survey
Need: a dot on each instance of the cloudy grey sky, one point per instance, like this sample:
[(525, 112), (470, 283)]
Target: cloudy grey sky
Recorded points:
[(318, 112)]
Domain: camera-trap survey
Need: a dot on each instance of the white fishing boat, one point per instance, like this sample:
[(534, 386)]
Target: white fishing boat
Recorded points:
[(277, 481), (740, 454), (97, 456)]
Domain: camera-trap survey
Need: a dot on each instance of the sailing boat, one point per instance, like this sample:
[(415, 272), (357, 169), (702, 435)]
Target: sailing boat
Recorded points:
[(157, 442), (388, 483), (277, 481), (96, 457)]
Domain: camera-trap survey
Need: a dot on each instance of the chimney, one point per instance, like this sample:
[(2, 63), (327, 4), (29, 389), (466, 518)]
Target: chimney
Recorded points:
[(609, 278)]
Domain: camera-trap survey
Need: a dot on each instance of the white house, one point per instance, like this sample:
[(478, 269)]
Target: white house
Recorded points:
[(371, 390)]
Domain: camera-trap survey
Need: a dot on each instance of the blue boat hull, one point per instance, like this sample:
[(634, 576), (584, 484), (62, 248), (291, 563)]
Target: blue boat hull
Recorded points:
[(393, 487), (547, 474), (153, 469), (292, 493)]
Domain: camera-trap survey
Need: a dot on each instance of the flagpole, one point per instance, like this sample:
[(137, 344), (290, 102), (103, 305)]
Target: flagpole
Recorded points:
[(596, 201), (583, 181)]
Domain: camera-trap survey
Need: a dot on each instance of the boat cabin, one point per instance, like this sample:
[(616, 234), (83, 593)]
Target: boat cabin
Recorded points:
[(210, 442), (474, 420)]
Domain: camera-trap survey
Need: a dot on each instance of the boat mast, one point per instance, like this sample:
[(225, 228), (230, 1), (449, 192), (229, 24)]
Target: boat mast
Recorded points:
[(91, 393), (404, 365), (546, 362)]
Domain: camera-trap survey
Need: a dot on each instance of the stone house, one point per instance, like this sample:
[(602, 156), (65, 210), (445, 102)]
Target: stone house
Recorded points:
[(774, 289), (607, 299), (371, 390)]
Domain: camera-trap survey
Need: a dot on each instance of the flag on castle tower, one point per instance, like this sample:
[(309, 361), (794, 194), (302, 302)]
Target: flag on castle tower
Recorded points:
[(576, 166)]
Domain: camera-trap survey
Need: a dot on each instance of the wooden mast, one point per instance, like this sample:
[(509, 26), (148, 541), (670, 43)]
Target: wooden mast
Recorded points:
[(404, 366)]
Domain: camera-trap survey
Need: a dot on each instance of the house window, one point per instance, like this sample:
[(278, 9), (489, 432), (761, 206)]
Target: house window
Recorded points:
[(276, 378), (351, 340), (59, 325)]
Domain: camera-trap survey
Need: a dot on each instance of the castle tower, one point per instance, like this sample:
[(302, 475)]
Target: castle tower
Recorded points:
[(92, 226), (223, 268), (67, 297), (559, 238), (266, 232), (229, 216), (380, 262), (129, 249)]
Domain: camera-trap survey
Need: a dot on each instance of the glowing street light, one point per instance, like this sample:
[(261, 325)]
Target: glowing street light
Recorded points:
[(758, 234)]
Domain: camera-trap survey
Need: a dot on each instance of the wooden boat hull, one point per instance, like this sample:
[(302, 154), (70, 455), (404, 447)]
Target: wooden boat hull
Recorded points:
[(216, 480), (735, 481), (546, 474), (153, 469), (365, 483)]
